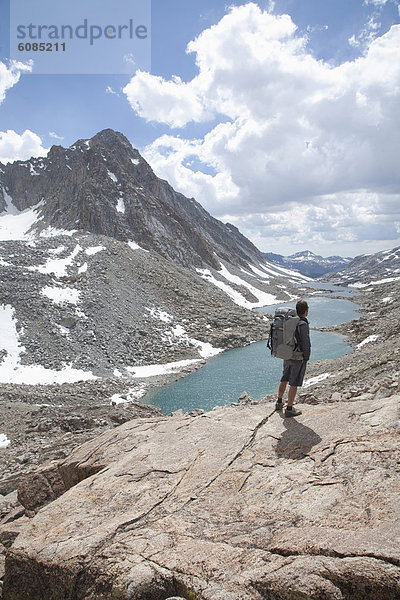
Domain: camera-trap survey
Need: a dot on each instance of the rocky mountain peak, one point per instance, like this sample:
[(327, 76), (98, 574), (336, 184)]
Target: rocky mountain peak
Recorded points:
[(102, 185), (110, 139)]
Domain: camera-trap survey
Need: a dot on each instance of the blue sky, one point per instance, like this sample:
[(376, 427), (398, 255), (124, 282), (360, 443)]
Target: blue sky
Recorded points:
[(283, 125)]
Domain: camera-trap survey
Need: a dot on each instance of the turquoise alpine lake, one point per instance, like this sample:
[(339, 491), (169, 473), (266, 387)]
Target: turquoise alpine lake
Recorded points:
[(252, 368)]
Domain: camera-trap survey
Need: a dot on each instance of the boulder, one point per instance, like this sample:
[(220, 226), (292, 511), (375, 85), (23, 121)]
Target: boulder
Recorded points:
[(10, 530), (41, 487), (235, 504)]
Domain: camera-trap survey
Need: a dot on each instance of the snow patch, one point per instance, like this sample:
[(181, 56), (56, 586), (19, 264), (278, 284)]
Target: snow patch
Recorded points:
[(120, 206), (60, 295), (260, 273), (94, 250), (10, 208), (132, 395), (263, 298), (135, 161), (317, 379), (368, 340), (233, 294), (58, 266), (135, 246), (56, 251), (153, 370), (50, 232), (4, 441), (112, 176), (63, 330), (157, 313), (359, 284), (277, 271), (15, 224), (204, 349)]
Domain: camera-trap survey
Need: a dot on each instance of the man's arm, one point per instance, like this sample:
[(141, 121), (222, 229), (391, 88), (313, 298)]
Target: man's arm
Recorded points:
[(304, 339)]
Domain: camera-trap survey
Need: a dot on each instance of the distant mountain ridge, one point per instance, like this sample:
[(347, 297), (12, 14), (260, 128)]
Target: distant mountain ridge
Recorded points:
[(308, 263)]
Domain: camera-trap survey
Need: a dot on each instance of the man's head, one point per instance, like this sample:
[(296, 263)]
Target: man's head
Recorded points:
[(302, 308)]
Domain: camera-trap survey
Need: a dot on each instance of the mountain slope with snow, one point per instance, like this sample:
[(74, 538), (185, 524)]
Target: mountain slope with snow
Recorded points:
[(84, 306), (380, 267)]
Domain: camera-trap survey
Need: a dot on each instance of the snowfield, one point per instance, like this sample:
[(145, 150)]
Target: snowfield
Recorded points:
[(15, 224)]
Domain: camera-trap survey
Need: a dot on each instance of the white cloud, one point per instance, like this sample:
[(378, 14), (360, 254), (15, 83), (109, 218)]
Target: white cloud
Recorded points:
[(55, 136), (296, 137), (173, 102), (110, 90), (12, 145), (367, 35), (376, 2), (9, 76), (20, 147)]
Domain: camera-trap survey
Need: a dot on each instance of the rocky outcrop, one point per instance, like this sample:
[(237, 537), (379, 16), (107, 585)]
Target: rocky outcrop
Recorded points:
[(40, 488), (45, 423), (237, 503)]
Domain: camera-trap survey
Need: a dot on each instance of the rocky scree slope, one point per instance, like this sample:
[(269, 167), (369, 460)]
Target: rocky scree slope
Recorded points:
[(111, 306), (106, 310)]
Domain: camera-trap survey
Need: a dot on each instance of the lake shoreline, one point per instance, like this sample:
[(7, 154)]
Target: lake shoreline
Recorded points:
[(195, 394)]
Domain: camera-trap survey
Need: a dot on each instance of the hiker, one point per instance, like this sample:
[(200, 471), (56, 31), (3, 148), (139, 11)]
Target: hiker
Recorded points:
[(295, 368)]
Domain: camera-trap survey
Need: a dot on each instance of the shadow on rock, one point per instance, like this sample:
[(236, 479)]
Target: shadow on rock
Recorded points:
[(297, 441)]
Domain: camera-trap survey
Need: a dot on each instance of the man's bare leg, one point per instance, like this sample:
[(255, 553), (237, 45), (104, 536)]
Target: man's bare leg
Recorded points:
[(291, 395), (282, 389)]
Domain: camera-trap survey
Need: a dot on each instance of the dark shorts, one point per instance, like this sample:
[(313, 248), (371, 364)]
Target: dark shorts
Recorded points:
[(293, 372)]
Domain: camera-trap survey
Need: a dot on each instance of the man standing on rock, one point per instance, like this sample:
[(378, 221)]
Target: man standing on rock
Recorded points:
[(294, 369)]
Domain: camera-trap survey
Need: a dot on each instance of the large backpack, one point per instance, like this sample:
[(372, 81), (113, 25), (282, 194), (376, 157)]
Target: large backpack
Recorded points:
[(282, 339)]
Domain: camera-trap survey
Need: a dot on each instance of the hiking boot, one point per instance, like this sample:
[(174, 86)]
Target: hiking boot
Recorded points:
[(279, 406), (292, 412)]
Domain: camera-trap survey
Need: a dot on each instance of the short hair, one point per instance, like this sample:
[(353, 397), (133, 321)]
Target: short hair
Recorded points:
[(301, 307)]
